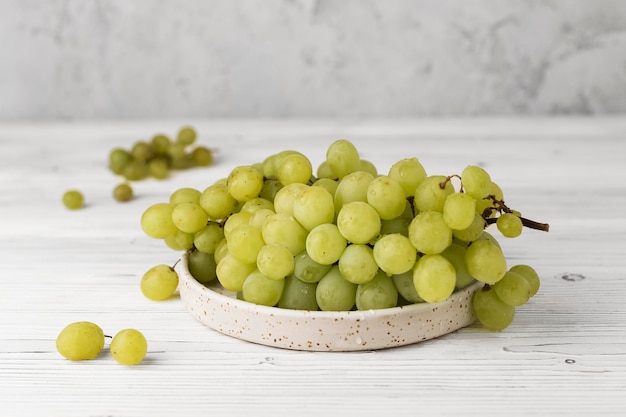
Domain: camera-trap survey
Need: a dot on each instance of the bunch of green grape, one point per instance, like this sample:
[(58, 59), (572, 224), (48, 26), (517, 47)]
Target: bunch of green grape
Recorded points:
[(345, 237)]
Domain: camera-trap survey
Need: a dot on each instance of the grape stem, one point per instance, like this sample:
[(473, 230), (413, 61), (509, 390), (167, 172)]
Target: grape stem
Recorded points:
[(442, 184), (502, 208)]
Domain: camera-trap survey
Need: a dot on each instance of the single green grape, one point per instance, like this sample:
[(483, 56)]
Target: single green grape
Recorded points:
[(160, 143), (179, 241), (368, 166), (79, 341), (343, 158), (244, 243), (394, 253), (73, 200), (129, 347), (430, 196), (491, 311), (136, 170), (284, 229), (313, 206), (357, 264), (207, 238), (201, 156), (485, 261), (476, 182), (408, 173), (352, 187), (328, 184), (185, 195), (334, 293), (459, 211), (217, 201), (298, 295), (325, 244), (159, 282), (156, 221), (257, 203), (295, 168), (386, 195), (307, 270), (358, 222), (159, 168), (513, 289), (245, 183), (406, 288), (509, 225), (377, 293), (286, 196), (259, 289), (142, 151), (473, 231), (189, 217), (186, 136), (275, 261), (118, 160), (429, 232), (232, 273), (202, 266), (434, 278), (455, 254), (531, 276), (123, 192)]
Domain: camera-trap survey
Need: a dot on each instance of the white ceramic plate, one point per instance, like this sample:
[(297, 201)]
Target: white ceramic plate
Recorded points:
[(321, 330)]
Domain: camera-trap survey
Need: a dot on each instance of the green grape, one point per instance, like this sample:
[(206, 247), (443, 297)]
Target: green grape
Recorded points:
[(80, 341), (358, 222), (189, 217), (513, 289), (118, 160), (429, 196), (325, 244), (207, 238), (509, 225), (286, 196), (123, 192), (369, 167), (394, 254), (307, 270), (129, 347), (136, 170), (488, 236), (459, 211), (259, 289), (334, 293), (357, 264), (236, 219), (313, 206), (275, 261), (244, 243), (177, 151), (387, 197), (257, 218), (158, 168), (491, 311), (377, 293), (284, 229), (406, 288), (160, 144), (324, 171), (352, 187), (473, 232), (217, 202), (409, 173), (270, 165), (201, 156), (298, 295), (185, 195), (295, 168), (531, 276), (159, 283), (455, 254), (398, 225), (244, 183), (202, 266), (255, 204), (434, 278), (186, 136), (232, 273), (429, 233), (156, 221), (142, 151), (343, 158), (476, 182), (73, 200), (328, 184), (180, 241), (485, 261), (270, 188), (221, 250)]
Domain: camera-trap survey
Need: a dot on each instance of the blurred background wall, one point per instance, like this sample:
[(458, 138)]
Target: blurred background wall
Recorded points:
[(110, 59)]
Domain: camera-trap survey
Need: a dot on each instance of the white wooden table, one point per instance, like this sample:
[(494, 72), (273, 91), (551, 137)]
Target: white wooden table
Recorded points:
[(564, 354)]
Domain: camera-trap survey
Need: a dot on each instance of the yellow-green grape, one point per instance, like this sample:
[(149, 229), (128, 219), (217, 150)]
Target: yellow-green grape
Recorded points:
[(369, 167), (202, 266), (159, 282), (275, 261), (408, 173), (455, 254), (244, 183), (313, 206), (334, 293), (141, 151), (118, 160), (160, 144), (185, 195), (286, 196), (394, 253), (221, 250), (476, 182), (295, 168), (244, 243), (324, 171), (307, 270), (129, 347), (358, 222), (201, 156), (79, 341), (386, 195), (406, 288), (73, 200), (156, 221), (159, 168), (257, 218), (328, 184), (284, 229), (298, 295), (123, 192), (531, 276), (176, 152), (186, 136), (434, 278), (473, 232), (429, 196), (459, 211), (217, 202), (509, 225), (397, 225), (357, 264), (236, 219), (270, 187), (429, 233), (352, 187), (232, 273), (180, 241), (343, 158), (189, 217), (377, 293), (136, 170), (491, 311), (485, 261), (513, 289), (207, 239), (259, 289), (325, 244), (258, 203)]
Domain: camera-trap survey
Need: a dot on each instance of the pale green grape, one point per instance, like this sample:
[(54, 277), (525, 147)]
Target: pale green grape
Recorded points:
[(406, 288), (286, 196), (284, 229), (328, 184), (186, 135), (377, 293), (244, 183), (408, 173), (160, 143), (270, 188), (275, 261), (429, 196), (244, 243), (221, 250), (201, 156), (313, 206), (334, 293), (531, 276), (455, 254), (394, 254), (434, 278), (123, 192), (185, 195), (343, 158), (73, 199), (236, 219), (325, 244), (324, 171), (473, 231), (180, 241), (156, 221), (269, 166), (159, 283), (307, 270), (259, 289), (397, 225), (257, 203), (141, 151), (298, 295), (80, 341), (485, 261), (386, 195), (217, 202), (429, 233), (513, 289), (358, 222), (509, 225), (357, 264), (488, 236), (189, 217), (476, 182), (118, 160), (158, 168), (294, 168), (369, 167), (207, 239), (129, 347), (232, 273), (491, 311), (257, 218), (202, 266), (459, 211), (352, 187), (136, 170)]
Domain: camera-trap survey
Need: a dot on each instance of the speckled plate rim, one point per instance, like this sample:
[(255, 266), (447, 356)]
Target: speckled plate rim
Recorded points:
[(221, 311)]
